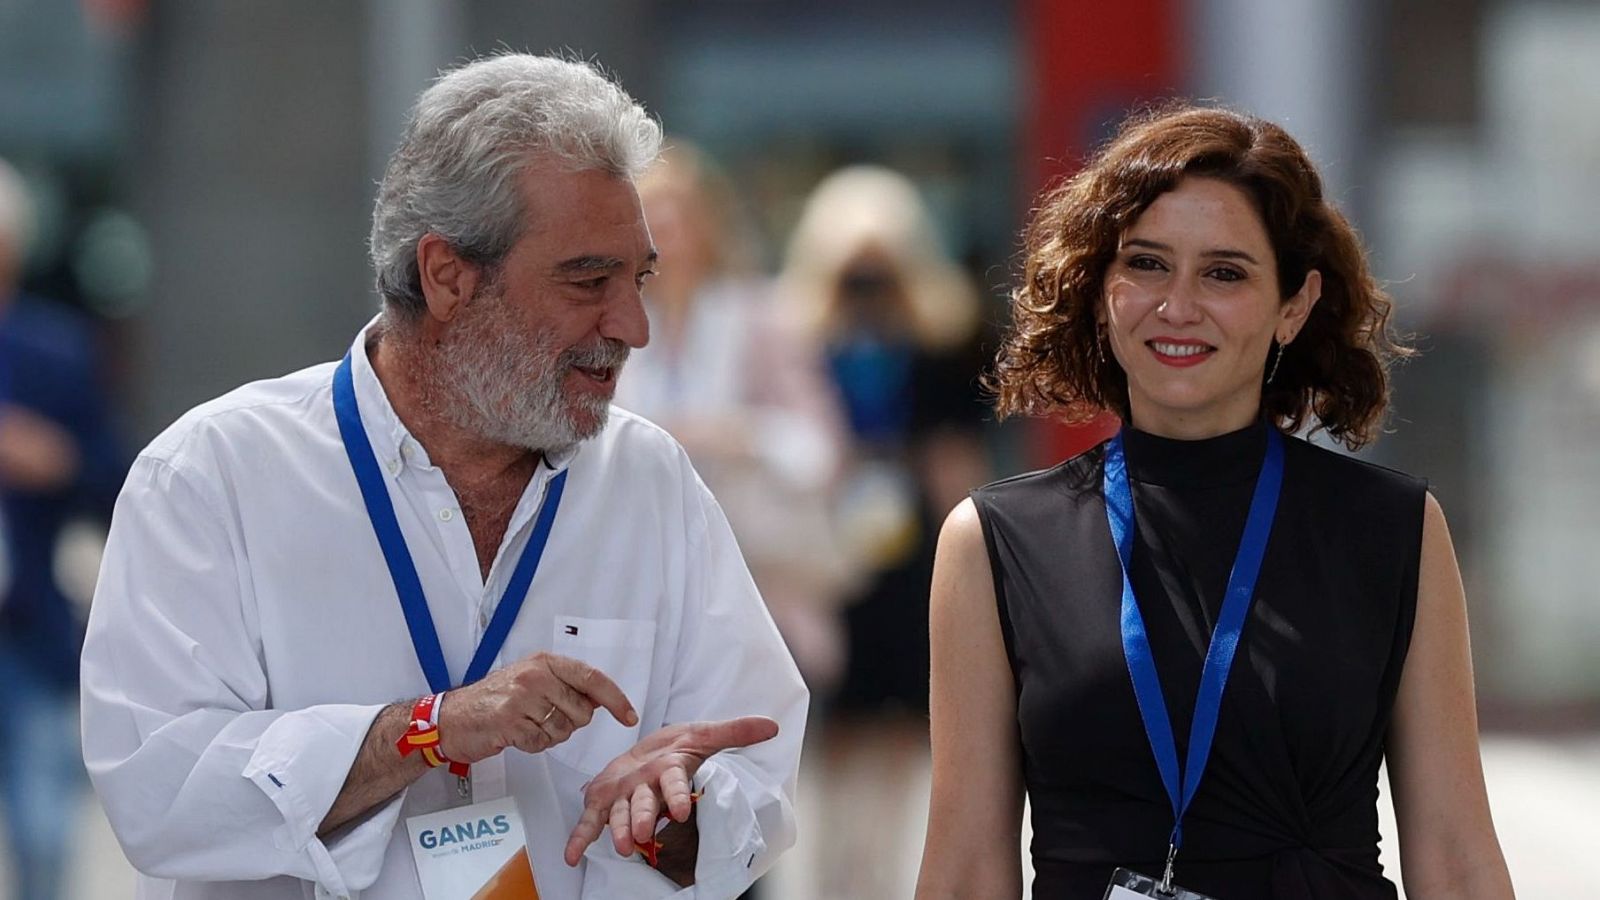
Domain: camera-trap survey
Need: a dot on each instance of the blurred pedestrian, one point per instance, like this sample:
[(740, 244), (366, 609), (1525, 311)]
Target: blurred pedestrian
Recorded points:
[(897, 321), (730, 375), (453, 514), (59, 460), (741, 386), (1194, 279)]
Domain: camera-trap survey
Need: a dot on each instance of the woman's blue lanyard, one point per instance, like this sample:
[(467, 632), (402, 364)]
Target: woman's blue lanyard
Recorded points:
[(380, 509), (1181, 785)]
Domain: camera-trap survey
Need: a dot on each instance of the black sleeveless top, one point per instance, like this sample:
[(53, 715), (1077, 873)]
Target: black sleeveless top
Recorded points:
[(1287, 807)]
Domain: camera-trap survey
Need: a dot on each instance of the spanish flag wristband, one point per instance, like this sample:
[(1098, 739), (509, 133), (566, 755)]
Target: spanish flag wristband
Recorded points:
[(423, 736)]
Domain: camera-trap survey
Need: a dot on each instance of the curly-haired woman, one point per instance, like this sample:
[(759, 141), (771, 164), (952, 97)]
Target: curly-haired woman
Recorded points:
[(1193, 645)]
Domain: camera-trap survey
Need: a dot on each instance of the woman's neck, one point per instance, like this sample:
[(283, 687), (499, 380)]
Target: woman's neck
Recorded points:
[(1195, 424)]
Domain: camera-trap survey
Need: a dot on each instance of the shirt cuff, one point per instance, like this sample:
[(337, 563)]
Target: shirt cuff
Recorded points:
[(300, 763), (732, 849)]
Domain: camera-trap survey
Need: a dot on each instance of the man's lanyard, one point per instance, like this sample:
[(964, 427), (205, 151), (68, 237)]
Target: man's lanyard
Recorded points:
[(1181, 785), (404, 572)]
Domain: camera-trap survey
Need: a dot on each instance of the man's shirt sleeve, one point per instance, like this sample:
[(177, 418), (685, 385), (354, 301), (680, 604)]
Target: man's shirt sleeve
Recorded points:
[(200, 779), (732, 662)]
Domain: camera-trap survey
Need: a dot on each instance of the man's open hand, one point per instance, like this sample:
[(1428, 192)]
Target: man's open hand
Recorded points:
[(533, 704), (630, 792)]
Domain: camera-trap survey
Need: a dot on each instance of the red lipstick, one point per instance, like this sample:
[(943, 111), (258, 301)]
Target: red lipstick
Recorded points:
[(1180, 352)]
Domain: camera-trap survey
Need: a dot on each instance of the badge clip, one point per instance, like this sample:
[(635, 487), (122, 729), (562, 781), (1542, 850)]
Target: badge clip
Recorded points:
[(1165, 887)]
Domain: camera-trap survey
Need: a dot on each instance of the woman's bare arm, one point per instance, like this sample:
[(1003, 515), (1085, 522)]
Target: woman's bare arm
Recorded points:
[(1448, 846), (973, 849)]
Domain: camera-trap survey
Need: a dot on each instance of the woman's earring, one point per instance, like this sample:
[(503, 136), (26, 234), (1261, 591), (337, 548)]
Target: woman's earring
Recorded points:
[(1100, 344), (1275, 362)]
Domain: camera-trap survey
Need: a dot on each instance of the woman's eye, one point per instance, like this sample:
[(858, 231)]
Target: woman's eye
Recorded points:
[(1223, 273), (1145, 264)]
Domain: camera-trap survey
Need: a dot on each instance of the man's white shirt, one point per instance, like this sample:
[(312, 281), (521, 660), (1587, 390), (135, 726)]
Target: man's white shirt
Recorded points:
[(245, 633)]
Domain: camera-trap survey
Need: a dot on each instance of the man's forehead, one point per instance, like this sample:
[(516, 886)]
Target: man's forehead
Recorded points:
[(564, 204), (588, 219), (549, 188)]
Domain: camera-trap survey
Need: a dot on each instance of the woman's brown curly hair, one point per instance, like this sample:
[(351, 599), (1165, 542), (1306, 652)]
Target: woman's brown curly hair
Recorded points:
[(1336, 369)]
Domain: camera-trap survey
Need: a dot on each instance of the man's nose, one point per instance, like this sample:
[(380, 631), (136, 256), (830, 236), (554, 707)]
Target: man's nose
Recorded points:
[(625, 320)]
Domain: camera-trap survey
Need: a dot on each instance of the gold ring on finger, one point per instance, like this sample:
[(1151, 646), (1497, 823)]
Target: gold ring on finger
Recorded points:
[(548, 714)]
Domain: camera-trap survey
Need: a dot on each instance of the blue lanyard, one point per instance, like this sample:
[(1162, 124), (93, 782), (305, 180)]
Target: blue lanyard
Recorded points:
[(1181, 786), (380, 509)]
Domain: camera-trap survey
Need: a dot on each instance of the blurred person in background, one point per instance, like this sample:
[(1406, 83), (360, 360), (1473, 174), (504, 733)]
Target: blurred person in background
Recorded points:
[(742, 389), (59, 460), (5, 554), (1194, 279), (288, 560), (898, 324)]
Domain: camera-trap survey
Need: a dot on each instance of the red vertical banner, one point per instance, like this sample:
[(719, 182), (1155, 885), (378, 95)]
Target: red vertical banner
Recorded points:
[(1088, 63)]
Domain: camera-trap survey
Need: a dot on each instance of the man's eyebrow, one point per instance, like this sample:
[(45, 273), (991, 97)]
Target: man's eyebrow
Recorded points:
[(579, 265)]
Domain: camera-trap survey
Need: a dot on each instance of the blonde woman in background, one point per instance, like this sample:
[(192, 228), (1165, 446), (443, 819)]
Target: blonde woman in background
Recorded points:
[(898, 321)]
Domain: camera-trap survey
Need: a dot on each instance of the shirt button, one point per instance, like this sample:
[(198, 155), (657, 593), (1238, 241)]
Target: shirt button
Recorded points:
[(394, 467), (483, 618), (446, 514)]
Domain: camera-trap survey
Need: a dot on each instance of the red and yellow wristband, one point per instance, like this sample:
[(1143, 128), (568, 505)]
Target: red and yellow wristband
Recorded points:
[(423, 736)]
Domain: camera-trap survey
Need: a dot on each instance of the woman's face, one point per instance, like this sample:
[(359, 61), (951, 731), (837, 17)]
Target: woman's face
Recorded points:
[(1192, 307), (871, 295)]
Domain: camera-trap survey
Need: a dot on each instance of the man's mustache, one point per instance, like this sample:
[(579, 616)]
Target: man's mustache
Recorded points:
[(605, 353)]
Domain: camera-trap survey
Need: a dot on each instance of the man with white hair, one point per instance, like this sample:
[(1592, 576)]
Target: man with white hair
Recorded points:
[(362, 627)]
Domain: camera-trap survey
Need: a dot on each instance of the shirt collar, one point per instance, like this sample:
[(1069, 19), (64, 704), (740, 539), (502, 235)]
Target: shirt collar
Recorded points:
[(384, 429), (390, 438), (558, 461)]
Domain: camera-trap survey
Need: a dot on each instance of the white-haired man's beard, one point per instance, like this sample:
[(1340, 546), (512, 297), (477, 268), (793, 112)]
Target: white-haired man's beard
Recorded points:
[(498, 382)]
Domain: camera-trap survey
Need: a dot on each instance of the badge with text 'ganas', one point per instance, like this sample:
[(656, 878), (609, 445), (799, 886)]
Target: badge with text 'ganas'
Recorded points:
[(476, 852), (1129, 885)]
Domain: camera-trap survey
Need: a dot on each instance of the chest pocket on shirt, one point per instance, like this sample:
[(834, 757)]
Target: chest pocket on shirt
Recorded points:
[(623, 649)]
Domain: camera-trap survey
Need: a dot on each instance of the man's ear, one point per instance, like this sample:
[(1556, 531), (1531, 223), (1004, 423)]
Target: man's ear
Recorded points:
[(1293, 312), (448, 279)]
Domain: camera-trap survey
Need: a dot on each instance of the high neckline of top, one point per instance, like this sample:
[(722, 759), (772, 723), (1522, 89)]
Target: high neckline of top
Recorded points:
[(1207, 462)]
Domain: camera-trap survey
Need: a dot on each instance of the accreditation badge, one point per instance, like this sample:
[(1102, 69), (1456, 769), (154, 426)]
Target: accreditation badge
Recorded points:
[(476, 852), (1130, 885)]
